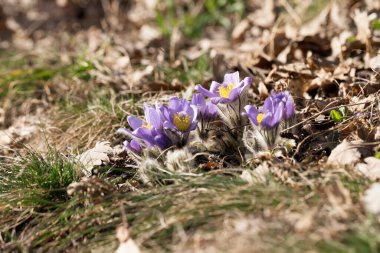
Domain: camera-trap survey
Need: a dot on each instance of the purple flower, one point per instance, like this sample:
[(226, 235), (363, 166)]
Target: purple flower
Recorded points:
[(206, 110), (277, 107), (179, 115), (148, 132), (226, 92), (287, 100)]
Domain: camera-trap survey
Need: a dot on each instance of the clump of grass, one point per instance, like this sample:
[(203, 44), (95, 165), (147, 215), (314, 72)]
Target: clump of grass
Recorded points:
[(38, 179), (31, 188)]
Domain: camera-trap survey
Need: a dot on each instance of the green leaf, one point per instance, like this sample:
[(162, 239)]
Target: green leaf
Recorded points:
[(376, 24), (377, 155), (336, 116), (351, 39)]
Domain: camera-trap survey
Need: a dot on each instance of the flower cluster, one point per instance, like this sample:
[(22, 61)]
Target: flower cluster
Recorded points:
[(170, 125), (277, 108)]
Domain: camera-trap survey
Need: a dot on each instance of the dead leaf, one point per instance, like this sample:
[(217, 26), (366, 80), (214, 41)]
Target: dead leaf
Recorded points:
[(95, 156), (314, 27), (240, 29), (127, 245), (371, 168), (362, 22), (377, 133), (371, 199), (23, 128), (267, 11), (344, 154)]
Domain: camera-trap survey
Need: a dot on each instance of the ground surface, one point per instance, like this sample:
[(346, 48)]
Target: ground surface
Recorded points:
[(71, 72)]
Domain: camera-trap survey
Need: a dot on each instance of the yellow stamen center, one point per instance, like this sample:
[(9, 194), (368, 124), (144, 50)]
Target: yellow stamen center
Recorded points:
[(224, 92), (146, 125), (181, 122), (259, 117)]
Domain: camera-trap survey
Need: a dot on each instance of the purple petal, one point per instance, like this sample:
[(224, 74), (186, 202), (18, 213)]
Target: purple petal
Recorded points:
[(205, 92), (198, 100), (231, 78), (289, 107), (133, 146), (191, 110), (162, 141), (194, 113), (164, 110), (169, 125), (246, 82), (154, 118), (217, 100), (144, 134), (271, 120), (279, 113), (134, 122), (193, 126), (234, 94), (268, 105), (214, 88), (252, 113), (211, 111), (175, 104), (267, 120)]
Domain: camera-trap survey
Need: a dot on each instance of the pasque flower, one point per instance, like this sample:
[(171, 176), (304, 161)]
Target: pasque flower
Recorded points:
[(277, 107), (226, 92), (206, 110), (266, 120), (146, 132), (179, 118)]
